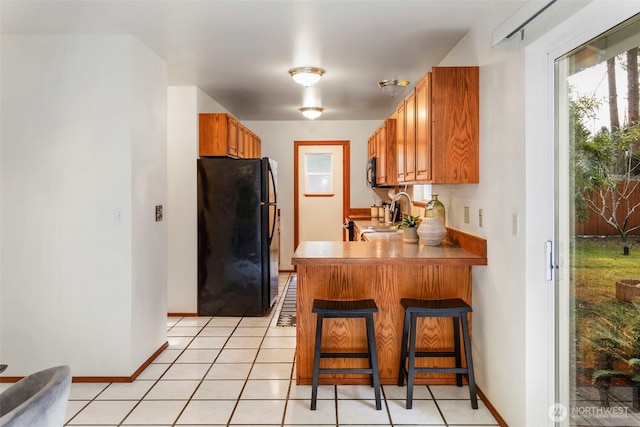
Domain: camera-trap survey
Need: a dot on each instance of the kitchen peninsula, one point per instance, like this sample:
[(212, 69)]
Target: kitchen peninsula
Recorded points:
[(385, 270)]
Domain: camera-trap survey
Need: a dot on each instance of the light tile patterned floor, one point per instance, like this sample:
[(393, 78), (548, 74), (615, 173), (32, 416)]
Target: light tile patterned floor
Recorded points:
[(226, 371)]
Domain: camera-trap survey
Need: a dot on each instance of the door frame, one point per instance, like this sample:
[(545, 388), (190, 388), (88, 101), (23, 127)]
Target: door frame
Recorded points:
[(346, 177)]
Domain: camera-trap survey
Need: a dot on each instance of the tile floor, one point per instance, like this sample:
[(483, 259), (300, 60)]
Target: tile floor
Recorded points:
[(222, 371)]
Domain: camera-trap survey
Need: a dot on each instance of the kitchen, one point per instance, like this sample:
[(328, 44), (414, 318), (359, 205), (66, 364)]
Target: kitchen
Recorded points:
[(510, 300)]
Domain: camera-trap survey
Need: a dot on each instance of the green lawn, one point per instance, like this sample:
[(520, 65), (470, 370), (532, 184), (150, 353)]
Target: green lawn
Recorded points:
[(599, 263)]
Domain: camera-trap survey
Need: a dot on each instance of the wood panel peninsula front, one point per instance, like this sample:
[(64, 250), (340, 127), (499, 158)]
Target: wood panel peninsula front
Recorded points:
[(385, 270)]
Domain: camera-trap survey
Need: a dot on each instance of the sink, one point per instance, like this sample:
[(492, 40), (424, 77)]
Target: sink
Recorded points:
[(380, 229)]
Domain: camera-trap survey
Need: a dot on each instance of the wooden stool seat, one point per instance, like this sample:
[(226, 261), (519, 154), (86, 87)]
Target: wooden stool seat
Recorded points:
[(345, 309), (454, 308)]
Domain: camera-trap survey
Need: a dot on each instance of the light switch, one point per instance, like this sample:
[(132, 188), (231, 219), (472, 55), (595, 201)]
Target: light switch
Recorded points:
[(118, 216)]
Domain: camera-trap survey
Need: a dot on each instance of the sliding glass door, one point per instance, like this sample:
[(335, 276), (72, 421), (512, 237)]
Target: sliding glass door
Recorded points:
[(598, 230)]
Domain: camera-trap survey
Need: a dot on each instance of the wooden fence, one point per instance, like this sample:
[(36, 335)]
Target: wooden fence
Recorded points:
[(596, 226)]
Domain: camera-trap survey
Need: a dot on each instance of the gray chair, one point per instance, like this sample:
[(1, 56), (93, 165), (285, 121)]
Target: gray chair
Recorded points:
[(37, 400)]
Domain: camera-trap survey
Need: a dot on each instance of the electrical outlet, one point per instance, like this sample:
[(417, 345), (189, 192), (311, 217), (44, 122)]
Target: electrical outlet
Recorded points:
[(466, 214), (158, 213), (515, 224), (479, 217)]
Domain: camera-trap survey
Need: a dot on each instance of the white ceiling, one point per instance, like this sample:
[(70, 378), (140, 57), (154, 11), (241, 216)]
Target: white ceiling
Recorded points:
[(239, 51)]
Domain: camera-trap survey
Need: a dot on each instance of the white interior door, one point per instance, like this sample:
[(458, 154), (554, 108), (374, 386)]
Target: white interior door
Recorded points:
[(320, 192)]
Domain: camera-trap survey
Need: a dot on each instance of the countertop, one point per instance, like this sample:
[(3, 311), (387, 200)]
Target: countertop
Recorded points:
[(388, 248), (383, 252)]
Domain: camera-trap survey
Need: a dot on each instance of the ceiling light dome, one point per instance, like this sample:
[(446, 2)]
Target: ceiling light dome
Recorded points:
[(311, 113), (306, 76), (393, 87)]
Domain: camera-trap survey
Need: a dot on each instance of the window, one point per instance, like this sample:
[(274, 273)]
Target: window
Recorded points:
[(319, 168)]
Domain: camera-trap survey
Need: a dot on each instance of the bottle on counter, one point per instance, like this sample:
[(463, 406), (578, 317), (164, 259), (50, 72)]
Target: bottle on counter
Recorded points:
[(435, 209)]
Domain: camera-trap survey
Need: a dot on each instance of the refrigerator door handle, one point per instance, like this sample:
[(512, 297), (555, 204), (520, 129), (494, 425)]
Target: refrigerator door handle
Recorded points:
[(273, 181), (273, 225), (273, 204)]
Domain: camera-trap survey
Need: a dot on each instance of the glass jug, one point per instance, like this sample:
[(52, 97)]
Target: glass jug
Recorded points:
[(435, 209)]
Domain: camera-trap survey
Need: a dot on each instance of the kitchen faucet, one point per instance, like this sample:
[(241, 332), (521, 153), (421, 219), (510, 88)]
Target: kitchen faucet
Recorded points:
[(395, 199)]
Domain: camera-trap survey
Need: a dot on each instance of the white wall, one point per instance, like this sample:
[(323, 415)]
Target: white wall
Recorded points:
[(184, 103), (148, 123), (83, 132), (498, 289), (277, 143)]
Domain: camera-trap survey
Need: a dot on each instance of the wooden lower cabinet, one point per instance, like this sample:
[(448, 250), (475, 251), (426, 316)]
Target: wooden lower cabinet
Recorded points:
[(386, 284)]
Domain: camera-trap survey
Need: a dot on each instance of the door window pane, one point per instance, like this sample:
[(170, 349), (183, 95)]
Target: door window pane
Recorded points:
[(319, 168)]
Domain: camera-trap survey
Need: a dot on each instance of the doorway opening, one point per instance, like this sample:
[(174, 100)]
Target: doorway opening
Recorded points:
[(321, 190)]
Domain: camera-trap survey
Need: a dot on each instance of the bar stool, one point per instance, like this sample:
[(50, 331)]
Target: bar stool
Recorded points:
[(454, 308), (346, 309)]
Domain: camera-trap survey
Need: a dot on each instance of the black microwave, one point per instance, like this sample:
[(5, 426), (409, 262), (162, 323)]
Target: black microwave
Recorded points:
[(371, 173)]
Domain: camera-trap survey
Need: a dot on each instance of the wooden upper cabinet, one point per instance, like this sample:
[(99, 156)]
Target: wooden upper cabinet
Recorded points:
[(382, 146), (387, 147), (232, 137), (400, 141), (410, 138), (423, 128), (221, 134), (438, 129), (372, 146), (251, 145), (455, 128)]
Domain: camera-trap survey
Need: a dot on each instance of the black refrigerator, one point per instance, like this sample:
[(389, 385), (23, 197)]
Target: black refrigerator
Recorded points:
[(238, 245)]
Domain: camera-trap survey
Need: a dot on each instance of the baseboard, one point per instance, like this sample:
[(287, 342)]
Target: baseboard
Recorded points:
[(491, 409), (123, 379), (182, 314), (104, 379)]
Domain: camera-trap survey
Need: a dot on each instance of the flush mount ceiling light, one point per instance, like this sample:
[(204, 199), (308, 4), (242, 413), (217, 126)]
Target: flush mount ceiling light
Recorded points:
[(311, 112), (306, 76), (393, 87)]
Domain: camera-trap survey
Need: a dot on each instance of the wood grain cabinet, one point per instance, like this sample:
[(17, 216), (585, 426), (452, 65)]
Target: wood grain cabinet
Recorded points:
[(382, 146), (401, 136), (452, 124), (221, 134), (438, 129), (410, 138)]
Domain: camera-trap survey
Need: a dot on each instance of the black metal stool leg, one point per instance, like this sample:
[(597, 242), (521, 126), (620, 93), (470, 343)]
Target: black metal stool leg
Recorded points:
[(373, 360), (456, 347), (467, 352), (412, 360), (403, 350), (316, 362)]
